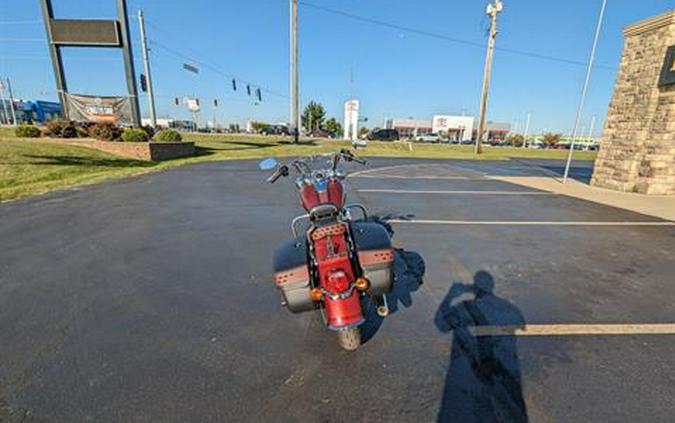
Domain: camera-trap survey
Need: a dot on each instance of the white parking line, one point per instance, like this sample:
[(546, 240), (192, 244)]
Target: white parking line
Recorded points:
[(377, 169), (384, 176), (575, 329), (407, 191), (528, 223)]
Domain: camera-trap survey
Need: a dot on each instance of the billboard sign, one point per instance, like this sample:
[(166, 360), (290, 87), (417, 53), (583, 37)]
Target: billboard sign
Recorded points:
[(351, 126), (85, 32), (86, 108)]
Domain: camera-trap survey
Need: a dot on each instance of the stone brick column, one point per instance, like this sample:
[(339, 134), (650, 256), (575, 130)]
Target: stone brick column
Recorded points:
[(637, 151)]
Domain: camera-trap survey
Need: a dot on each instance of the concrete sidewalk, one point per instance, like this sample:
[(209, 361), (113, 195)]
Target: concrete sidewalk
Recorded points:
[(662, 206)]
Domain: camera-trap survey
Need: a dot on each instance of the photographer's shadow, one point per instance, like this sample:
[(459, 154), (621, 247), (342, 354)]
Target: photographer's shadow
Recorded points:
[(483, 382)]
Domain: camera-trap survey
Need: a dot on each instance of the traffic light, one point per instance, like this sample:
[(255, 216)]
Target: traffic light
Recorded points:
[(259, 94), (248, 89), (197, 101), (215, 102), (144, 83), (234, 84), (176, 101)]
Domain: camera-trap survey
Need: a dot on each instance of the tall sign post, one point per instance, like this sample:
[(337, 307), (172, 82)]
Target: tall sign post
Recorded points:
[(91, 33), (351, 126)]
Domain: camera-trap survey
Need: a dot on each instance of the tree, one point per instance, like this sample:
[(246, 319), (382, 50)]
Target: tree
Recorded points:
[(333, 127), (551, 139), (258, 126), (515, 140), (313, 116), (363, 132)]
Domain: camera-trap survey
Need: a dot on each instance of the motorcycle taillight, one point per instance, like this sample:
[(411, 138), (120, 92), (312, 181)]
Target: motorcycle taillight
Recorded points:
[(337, 282)]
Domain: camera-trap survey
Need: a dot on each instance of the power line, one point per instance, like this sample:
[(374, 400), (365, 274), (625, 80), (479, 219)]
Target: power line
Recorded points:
[(448, 38), (28, 40), (212, 68), (20, 22)]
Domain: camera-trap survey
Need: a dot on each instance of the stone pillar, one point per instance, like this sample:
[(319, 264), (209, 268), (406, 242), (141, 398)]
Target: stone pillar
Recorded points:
[(637, 151)]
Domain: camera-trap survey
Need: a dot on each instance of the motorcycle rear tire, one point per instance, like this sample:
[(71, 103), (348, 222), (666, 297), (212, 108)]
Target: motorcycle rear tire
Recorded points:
[(349, 339)]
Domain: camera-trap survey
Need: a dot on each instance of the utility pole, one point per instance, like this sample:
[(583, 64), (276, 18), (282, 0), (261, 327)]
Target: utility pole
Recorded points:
[(582, 100), (11, 101), (295, 105), (492, 10), (527, 128), (146, 65)]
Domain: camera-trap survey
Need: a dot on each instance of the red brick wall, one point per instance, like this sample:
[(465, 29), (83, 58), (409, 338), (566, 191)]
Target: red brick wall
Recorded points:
[(154, 151)]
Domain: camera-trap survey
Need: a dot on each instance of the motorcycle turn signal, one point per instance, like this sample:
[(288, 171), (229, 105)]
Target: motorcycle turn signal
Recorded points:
[(362, 284), (315, 294)]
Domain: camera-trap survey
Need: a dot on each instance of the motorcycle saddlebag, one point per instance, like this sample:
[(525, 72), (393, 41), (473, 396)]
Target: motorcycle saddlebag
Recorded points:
[(376, 256), (291, 275)]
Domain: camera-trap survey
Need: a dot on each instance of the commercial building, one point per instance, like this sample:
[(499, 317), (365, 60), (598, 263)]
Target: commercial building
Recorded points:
[(409, 128), (496, 132), (454, 128)]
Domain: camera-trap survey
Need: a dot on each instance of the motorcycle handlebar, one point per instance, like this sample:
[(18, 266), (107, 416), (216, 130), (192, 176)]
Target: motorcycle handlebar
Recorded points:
[(282, 171), (303, 168)]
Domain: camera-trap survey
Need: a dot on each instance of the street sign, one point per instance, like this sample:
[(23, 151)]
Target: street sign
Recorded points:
[(192, 104), (190, 68)]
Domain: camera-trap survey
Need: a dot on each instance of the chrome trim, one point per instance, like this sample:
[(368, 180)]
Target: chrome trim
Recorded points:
[(358, 206), (347, 327), (341, 296), (295, 220)]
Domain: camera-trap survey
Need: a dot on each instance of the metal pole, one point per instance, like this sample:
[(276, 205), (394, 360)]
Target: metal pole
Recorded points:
[(493, 10), (146, 65), (584, 90), (11, 100), (295, 105), (527, 128), (590, 131), (123, 18), (4, 118), (57, 61)]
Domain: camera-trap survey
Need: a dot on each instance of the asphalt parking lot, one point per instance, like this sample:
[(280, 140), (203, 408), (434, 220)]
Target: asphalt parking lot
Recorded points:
[(150, 299)]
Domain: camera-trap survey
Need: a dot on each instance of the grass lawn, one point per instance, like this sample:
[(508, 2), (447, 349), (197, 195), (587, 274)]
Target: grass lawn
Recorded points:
[(35, 166)]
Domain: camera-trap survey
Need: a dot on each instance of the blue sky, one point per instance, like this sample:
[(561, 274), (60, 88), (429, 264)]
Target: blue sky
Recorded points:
[(396, 72)]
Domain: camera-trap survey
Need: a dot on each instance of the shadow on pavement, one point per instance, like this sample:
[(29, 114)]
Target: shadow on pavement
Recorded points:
[(409, 268), (483, 382)]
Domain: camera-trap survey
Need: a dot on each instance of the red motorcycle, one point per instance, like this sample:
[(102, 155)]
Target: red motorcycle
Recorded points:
[(337, 265)]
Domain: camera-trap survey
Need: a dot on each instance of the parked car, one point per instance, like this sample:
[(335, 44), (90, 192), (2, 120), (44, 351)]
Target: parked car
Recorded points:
[(275, 130), (383, 135), (428, 138), (359, 143)]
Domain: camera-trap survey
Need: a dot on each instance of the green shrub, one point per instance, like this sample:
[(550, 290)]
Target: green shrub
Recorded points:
[(168, 135), (60, 128), (83, 128), (134, 135), (105, 131), (149, 130), (27, 131)]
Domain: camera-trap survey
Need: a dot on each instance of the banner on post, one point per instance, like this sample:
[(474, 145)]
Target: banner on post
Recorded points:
[(86, 108)]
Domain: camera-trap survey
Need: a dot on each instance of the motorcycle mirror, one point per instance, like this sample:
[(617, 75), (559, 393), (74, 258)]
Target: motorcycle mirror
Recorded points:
[(268, 164)]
